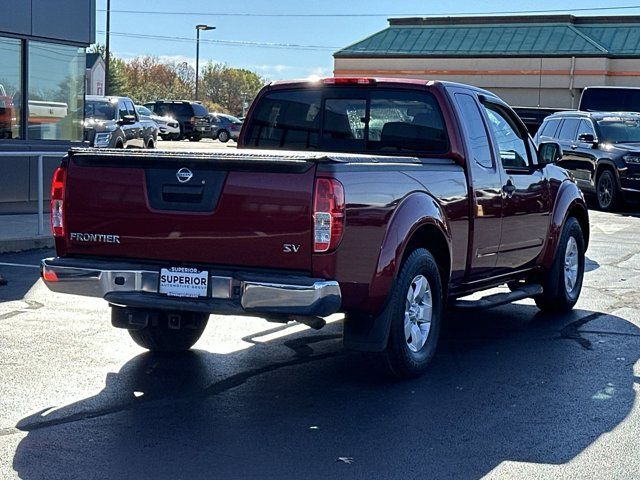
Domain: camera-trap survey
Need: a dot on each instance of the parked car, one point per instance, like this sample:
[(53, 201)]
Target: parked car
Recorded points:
[(601, 150), (610, 99), (112, 122), (225, 127), (168, 128), (533, 116), (446, 196), (191, 117)]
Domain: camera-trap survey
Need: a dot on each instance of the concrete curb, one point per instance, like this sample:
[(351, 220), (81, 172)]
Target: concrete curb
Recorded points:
[(11, 245)]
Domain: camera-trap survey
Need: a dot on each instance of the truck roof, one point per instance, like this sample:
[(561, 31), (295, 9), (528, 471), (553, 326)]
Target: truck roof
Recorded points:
[(377, 81)]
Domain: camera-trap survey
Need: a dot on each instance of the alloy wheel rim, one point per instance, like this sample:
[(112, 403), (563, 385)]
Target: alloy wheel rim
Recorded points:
[(571, 265), (417, 313), (604, 190)]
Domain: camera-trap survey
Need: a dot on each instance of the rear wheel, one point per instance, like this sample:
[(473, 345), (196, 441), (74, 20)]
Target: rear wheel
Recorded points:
[(195, 138), (607, 191), (563, 281), (150, 143), (415, 308), (171, 332), (223, 136)]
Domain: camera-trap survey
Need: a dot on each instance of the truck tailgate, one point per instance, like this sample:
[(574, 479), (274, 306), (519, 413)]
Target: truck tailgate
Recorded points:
[(189, 209)]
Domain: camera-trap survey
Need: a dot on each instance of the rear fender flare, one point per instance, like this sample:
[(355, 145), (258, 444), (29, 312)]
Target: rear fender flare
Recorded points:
[(569, 202), (416, 211)]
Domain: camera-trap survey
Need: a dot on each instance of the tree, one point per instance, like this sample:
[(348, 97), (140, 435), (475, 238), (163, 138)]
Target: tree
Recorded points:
[(227, 86)]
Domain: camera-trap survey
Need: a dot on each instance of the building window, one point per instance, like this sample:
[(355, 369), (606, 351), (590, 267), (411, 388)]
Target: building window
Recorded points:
[(56, 91), (10, 88)]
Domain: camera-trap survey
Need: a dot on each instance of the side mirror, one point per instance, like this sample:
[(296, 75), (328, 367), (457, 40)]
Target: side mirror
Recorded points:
[(586, 138), (128, 120), (549, 152)]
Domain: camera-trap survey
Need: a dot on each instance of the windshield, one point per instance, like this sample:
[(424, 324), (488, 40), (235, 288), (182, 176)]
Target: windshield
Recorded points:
[(143, 110), (620, 129), (101, 110)]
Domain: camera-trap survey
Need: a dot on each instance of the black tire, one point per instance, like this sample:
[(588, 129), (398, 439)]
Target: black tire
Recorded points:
[(607, 191), (195, 138), (403, 360), (166, 138), (119, 144), (158, 337), (151, 144), (557, 296), (224, 136)]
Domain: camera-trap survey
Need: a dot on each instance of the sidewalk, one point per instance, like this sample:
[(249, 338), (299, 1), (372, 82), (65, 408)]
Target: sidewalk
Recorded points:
[(20, 232)]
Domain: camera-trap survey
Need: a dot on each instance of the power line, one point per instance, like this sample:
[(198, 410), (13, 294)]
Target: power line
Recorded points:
[(347, 15), (233, 43)]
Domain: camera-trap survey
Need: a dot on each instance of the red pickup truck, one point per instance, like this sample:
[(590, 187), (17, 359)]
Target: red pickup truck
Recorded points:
[(387, 200)]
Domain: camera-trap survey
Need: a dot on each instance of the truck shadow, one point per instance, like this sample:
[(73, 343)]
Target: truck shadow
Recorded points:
[(506, 385)]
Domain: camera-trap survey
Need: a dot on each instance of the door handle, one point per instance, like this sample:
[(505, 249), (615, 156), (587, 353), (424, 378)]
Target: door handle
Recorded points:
[(509, 188)]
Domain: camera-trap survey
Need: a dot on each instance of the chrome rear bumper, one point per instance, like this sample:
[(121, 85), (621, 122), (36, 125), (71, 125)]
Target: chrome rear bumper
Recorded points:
[(229, 292)]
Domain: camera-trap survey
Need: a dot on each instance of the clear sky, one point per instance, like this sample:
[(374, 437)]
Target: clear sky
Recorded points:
[(238, 35)]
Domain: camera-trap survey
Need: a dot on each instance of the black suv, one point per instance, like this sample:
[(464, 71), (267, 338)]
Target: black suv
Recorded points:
[(601, 150), (192, 117), (533, 117)]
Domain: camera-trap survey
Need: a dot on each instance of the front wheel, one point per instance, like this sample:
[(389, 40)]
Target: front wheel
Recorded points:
[(607, 191), (171, 332), (223, 136), (563, 281), (415, 308)]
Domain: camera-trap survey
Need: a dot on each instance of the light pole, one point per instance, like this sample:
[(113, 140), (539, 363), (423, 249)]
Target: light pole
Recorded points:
[(107, 52), (198, 28)]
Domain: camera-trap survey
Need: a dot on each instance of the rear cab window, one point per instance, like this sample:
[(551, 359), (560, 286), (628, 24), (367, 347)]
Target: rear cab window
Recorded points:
[(596, 99), (344, 119)]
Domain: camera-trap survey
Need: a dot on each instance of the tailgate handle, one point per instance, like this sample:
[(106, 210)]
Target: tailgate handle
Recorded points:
[(179, 194)]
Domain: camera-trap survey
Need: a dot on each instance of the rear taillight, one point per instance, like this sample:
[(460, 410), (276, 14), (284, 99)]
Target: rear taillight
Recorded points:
[(57, 201), (328, 214)]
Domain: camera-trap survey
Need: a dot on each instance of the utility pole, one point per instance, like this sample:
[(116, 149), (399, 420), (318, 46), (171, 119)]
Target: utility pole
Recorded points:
[(106, 50), (244, 104), (198, 28)]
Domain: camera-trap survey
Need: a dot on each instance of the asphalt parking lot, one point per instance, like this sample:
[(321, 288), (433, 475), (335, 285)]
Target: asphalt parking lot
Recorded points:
[(511, 393)]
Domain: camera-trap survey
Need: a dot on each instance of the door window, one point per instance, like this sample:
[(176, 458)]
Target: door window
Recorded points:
[(131, 110), (511, 143), (477, 134), (586, 127), (568, 130), (122, 109)]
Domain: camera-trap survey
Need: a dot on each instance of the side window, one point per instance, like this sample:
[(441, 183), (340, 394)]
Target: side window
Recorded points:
[(474, 126), (586, 127), (511, 144), (568, 130), (131, 110), (122, 109), (549, 128)]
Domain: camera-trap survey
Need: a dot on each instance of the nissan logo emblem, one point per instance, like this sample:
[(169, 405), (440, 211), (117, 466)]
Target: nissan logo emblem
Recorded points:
[(184, 175)]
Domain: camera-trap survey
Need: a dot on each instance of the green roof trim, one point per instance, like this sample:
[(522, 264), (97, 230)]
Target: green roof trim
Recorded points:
[(490, 37)]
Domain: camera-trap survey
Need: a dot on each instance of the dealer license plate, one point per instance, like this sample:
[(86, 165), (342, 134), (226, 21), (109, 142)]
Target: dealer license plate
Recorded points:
[(183, 282)]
